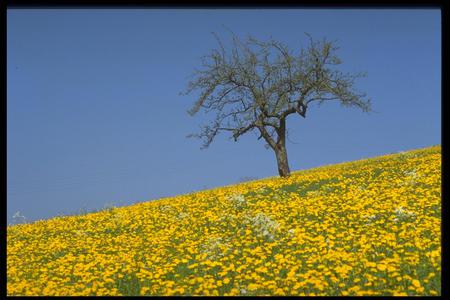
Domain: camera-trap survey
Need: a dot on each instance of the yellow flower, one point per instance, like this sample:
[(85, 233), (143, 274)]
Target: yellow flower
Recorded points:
[(381, 267), (416, 283), (331, 223), (391, 269), (144, 290)]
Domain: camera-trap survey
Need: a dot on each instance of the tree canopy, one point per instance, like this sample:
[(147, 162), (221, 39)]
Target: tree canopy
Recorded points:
[(256, 85)]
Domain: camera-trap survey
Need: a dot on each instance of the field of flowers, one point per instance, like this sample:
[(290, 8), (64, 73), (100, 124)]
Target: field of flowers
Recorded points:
[(368, 227)]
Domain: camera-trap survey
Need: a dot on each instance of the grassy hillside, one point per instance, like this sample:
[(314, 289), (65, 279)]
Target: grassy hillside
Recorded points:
[(369, 227)]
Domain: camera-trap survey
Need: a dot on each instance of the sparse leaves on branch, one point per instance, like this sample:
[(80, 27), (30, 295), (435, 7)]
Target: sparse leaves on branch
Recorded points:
[(256, 85)]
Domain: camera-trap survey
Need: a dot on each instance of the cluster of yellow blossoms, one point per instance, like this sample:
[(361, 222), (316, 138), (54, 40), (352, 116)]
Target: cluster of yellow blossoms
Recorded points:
[(369, 227)]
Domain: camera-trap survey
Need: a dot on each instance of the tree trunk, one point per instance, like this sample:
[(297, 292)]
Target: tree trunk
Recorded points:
[(282, 160)]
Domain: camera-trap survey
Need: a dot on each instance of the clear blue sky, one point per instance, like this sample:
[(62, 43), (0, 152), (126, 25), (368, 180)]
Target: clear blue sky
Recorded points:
[(95, 116)]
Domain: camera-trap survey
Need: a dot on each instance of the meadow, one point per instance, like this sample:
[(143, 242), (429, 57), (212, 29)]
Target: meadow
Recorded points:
[(367, 227)]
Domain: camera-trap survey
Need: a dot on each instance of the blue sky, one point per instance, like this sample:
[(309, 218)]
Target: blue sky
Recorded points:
[(95, 117)]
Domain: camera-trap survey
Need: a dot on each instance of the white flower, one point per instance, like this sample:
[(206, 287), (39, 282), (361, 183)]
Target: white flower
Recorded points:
[(402, 214), (411, 177), (17, 217), (165, 207), (370, 218), (237, 200), (182, 215), (214, 248), (399, 211), (261, 189), (263, 225)]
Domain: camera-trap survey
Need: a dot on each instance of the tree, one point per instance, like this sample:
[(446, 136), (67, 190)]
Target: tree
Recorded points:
[(256, 85)]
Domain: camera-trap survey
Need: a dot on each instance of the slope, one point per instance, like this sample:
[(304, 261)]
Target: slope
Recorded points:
[(368, 227)]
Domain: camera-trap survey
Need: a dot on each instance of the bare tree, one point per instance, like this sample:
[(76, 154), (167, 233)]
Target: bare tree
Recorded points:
[(256, 85)]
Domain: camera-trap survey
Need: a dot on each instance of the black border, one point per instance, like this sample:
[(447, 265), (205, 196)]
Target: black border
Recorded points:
[(239, 4)]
